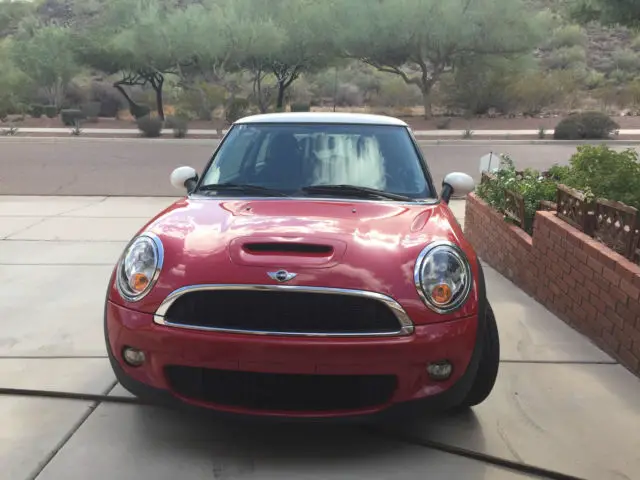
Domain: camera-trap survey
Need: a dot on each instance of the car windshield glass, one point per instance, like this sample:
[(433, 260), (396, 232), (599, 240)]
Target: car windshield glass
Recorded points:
[(290, 158)]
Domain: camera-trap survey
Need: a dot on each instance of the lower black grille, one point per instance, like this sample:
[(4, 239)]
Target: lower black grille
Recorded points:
[(281, 392), (281, 311)]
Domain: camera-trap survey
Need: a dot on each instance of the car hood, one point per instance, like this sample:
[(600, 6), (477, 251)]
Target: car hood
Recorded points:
[(364, 245)]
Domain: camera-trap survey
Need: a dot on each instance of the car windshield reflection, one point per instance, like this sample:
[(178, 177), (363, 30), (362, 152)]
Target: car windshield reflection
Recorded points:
[(369, 161)]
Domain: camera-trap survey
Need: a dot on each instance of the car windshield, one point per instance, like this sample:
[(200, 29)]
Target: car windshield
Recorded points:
[(327, 160)]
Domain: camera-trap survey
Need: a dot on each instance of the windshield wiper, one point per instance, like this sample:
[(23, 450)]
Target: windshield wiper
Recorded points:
[(354, 190), (241, 187)]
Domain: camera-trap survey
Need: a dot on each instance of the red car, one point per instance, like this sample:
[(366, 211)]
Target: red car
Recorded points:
[(312, 270)]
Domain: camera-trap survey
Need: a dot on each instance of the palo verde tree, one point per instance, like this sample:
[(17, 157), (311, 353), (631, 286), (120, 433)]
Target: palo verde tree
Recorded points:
[(47, 58), (209, 42), (130, 37), (420, 40), (303, 36)]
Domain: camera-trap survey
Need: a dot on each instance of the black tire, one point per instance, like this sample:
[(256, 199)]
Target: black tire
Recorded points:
[(489, 364)]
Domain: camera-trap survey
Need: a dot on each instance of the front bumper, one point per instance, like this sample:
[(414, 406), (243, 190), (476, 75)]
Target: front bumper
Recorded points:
[(404, 357)]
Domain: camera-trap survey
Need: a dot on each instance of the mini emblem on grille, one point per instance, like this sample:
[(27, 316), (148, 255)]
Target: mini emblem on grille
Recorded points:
[(281, 276)]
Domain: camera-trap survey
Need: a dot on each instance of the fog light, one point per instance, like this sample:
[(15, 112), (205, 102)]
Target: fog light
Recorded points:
[(440, 370), (133, 356)]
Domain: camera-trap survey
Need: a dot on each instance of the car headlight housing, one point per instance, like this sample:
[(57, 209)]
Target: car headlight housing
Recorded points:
[(139, 267), (443, 276)]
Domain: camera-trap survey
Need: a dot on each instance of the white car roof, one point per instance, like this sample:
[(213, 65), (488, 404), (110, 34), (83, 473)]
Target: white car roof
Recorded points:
[(323, 117)]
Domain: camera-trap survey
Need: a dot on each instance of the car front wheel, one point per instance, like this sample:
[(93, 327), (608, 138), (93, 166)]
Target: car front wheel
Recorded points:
[(488, 367)]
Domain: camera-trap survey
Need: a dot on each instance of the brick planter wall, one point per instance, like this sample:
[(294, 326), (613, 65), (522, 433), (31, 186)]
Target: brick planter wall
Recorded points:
[(583, 282)]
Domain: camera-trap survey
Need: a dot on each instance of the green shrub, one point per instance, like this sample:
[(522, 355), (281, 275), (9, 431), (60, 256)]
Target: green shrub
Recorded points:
[(70, 116), (179, 125), (300, 107), (36, 111), (542, 133), (626, 60), (605, 173), (151, 127), (51, 111), (237, 108), (597, 171), (566, 57), (91, 111), (530, 184), (444, 123), (200, 100), (587, 125), (569, 36), (532, 93), (4, 113), (139, 111)]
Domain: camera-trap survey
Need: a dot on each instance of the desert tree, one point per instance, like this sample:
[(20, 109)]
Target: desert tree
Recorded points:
[(47, 59), (420, 40), (299, 37), (131, 38)]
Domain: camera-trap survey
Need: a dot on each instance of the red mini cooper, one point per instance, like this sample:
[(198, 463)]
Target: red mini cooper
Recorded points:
[(312, 270)]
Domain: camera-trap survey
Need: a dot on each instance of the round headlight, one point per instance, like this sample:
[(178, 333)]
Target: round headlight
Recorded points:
[(443, 277), (139, 267)]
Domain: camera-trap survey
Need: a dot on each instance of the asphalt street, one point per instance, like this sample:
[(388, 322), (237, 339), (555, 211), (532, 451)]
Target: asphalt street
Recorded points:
[(141, 167)]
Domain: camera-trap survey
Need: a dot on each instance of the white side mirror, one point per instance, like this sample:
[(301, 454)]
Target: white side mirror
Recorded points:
[(184, 177), (458, 184)]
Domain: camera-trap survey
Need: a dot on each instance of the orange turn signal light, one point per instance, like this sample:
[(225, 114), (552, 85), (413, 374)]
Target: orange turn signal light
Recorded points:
[(441, 293), (139, 282)]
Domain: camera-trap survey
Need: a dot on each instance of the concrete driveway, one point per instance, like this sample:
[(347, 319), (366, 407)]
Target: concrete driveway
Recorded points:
[(560, 402)]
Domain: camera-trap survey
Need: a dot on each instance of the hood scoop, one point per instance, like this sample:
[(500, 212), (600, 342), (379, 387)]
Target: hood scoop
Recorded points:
[(284, 252), (287, 248)]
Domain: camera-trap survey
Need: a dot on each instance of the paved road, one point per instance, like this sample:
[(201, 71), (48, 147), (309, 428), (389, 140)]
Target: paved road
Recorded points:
[(91, 166)]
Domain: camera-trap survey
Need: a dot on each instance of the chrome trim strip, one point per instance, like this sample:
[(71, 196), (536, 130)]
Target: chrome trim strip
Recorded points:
[(406, 325), (417, 275), (160, 261)]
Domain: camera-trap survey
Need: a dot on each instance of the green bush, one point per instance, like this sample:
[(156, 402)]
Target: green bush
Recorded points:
[(602, 172), (200, 100), (585, 126), (300, 107), (36, 111), (566, 57), (626, 60), (51, 111), (597, 171), (444, 123), (179, 125), (150, 127), (91, 111), (533, 93), (237, 108), (70, 116), (569, 36), (530, 184)]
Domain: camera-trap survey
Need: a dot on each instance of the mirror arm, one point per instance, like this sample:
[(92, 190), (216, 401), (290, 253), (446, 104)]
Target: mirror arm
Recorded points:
[(447, 191), (190, 184)]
